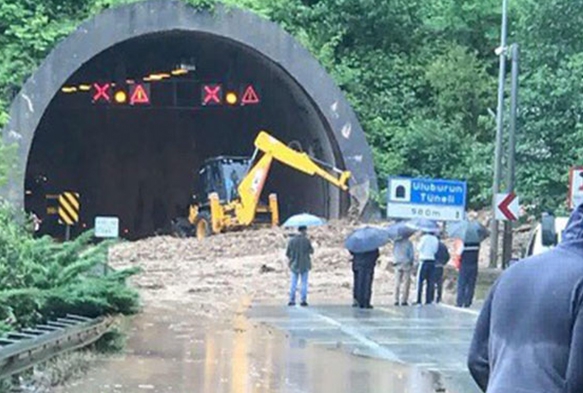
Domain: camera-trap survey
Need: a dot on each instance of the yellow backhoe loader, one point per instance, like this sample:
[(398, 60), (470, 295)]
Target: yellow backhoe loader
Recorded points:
[(233, 186)]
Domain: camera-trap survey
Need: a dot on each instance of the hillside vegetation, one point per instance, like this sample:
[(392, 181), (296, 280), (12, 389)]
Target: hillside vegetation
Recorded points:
[(420, 74)]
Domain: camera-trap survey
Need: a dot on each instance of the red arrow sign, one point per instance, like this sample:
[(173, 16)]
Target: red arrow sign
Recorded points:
[(504, 207)]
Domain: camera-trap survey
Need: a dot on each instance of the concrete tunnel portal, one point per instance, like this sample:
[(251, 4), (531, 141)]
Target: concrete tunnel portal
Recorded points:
[(136, 115)]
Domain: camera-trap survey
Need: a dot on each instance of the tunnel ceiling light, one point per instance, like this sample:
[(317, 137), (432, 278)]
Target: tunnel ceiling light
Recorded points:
[(69, 89), (130, 81), (179, 71), (84, 87), (120, 97), (231, 98), (158, 77)]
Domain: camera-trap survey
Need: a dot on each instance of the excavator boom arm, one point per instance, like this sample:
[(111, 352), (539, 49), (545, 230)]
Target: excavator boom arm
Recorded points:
[(252, 184), (298, 160)]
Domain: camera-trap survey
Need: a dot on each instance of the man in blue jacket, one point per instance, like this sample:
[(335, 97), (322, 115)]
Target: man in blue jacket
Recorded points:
[(529, 336)]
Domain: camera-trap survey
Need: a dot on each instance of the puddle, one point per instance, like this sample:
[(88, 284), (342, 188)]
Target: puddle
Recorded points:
[(171, 352)]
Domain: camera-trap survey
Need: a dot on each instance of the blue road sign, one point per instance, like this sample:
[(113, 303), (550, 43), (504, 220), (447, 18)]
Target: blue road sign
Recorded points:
[(436, 199)]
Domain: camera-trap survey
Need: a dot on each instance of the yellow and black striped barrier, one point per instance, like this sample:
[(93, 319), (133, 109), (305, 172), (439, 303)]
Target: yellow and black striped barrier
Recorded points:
[(69, 207)]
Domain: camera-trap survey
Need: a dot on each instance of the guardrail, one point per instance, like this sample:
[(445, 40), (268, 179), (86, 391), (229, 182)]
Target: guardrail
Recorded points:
[(24, 349)]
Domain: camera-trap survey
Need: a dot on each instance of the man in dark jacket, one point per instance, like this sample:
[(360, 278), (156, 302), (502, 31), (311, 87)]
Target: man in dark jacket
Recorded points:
[(299, 251), (529, 336), (441, 259), (468, 275), (363, 264)]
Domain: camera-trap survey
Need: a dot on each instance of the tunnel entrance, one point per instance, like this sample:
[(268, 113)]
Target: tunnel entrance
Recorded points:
[(131, 128), (127, 108)]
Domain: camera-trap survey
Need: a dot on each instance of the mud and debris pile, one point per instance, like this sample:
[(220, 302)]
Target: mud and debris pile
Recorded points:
[(212, 276)]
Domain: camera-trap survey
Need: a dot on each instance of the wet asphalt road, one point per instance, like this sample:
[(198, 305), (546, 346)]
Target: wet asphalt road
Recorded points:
[(276, 349)]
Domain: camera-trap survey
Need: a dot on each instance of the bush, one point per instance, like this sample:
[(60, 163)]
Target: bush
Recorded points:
[(42, 279)]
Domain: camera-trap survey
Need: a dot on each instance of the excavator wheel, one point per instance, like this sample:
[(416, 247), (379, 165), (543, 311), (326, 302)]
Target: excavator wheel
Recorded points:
[(182, 228), (202, 225)]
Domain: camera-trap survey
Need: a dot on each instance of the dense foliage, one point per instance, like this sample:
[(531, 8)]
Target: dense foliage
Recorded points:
[(41, 279), (421, 75)]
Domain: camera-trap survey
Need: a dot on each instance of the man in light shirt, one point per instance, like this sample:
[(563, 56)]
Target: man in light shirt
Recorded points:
[(427, 248)]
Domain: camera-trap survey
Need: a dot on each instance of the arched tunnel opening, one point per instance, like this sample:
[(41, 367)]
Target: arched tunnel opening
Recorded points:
[(131, 128)]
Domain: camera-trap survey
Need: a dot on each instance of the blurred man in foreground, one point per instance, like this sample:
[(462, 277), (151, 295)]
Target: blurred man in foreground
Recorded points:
[(529, 336)]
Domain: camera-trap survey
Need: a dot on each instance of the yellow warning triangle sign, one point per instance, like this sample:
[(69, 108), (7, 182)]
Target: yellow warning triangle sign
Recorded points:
[(140, 95)]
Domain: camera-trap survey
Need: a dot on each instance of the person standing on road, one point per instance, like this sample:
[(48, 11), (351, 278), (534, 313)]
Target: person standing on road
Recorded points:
[(427, 248), (441, 259), (363, 264), (529, 335), (404, 257), (468, 274), (299, 251)]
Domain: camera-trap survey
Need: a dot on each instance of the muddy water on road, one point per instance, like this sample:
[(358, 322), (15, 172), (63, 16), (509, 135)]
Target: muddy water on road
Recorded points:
[(169, 351)]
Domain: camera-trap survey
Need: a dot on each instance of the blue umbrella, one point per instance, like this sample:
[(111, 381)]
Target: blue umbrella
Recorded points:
[(399, 230), (423, 225), (366, 239), (304, 220), (468, 231)]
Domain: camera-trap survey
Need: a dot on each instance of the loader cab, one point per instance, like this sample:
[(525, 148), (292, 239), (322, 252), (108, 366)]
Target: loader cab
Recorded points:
[(222, 175)]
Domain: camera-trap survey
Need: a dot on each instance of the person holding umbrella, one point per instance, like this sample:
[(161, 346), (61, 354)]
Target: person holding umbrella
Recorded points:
[(472, 233), (468, 274), (427, 248), (404, 258), (364, 244), (404, 255), (363, 264), (299, 251)]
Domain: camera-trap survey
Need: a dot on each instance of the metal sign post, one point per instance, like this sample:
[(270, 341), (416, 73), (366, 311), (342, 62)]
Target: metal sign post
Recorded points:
[(507, 244), (499, 130), (69, 207)]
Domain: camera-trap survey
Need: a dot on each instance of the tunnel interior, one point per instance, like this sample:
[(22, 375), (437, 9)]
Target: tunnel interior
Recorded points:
[(131, 128)]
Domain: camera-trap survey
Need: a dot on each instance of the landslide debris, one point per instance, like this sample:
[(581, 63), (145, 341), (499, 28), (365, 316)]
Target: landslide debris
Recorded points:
[(211, 277)]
